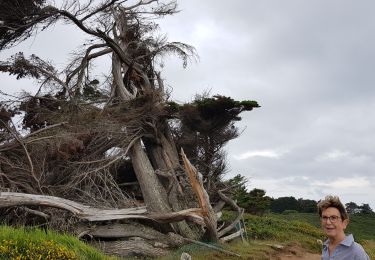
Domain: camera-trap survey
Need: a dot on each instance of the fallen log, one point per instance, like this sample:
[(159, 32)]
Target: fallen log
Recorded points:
[(136, 247), (126, 231), (84, 212)]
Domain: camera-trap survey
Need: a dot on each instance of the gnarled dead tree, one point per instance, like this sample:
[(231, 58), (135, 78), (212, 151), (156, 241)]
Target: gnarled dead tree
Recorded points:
[(82, 132)]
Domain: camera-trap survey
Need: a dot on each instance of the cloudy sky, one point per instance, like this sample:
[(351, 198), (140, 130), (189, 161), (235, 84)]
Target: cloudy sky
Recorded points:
[(309, 64)]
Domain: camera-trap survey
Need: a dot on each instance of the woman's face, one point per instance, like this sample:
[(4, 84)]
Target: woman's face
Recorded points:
[(332, 223)]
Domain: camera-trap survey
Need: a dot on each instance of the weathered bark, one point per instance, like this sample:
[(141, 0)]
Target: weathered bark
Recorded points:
[(119, 88), (165, 158), (135, 247), (174, 191), (126, 231), (219, 206), (239, 210), (208, 213), (13, 199), (232, 236), (154, 194), (171, 151)]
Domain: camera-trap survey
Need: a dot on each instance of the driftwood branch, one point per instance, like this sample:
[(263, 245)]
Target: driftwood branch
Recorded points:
[(235, 207), (232, 236), (123, 231), (36, 213), (13, 199), (130, 248), (17, 137)]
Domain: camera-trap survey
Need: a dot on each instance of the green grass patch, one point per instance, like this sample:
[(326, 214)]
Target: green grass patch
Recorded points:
[(283, 231), (32, 243), (253, 250), (361, 226)]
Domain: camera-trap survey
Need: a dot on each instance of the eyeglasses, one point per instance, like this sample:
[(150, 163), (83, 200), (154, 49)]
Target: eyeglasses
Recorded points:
[(333, 219)]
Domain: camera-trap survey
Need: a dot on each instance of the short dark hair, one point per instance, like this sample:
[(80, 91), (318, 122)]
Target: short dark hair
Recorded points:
[(332, 202)]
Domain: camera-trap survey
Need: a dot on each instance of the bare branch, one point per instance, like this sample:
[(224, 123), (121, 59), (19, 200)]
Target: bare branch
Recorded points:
[(19, 140), (85, 61), (235, 207), (99, 9), (140, 3)]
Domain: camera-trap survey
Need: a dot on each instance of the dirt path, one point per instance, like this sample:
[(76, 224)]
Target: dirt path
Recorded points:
[(296, 253), (306, 256)]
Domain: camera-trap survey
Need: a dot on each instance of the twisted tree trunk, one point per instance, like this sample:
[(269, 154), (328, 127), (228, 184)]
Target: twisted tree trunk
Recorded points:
[(161, 156), (154, 194)]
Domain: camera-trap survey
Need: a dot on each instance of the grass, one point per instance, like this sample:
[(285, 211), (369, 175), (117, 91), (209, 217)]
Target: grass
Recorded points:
[(253, 250), (362, 226), (284, 231), (32, 243)]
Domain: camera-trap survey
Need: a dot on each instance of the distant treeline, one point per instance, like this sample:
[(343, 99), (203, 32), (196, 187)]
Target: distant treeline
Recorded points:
[(256, 202)]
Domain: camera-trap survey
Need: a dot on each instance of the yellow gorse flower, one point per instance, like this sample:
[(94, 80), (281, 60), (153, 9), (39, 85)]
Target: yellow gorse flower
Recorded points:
[(10, 249)]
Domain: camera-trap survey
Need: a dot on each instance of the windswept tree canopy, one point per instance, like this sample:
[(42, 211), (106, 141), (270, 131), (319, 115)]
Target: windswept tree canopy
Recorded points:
[(207, 124), (18, 19)]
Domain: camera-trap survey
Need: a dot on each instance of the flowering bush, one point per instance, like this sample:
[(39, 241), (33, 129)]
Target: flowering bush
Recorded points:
[(27, 249)]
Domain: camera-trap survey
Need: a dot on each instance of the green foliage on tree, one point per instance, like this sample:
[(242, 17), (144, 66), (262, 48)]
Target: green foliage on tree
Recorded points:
[(258, 202), (281, 204), (206, 125), (366, 209), (352, 207), (16, 17), (307, 206), (254, 202)]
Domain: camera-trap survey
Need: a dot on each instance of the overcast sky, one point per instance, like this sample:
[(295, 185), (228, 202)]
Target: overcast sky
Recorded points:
[(310, 66)]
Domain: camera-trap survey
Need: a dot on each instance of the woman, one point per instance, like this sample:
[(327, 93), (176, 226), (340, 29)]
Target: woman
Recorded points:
[(334, 220)]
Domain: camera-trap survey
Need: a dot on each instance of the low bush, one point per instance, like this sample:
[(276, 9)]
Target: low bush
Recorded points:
[(27, 249), (32, 243)]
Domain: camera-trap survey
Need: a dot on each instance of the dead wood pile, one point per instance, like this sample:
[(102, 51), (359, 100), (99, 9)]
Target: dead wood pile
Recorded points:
[(66, 176)]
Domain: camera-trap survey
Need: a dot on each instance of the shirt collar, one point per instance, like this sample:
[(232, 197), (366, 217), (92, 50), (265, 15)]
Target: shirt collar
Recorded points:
[(348, 241)]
